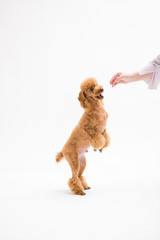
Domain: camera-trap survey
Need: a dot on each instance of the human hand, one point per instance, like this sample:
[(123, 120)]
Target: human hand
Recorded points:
[(124, 78)]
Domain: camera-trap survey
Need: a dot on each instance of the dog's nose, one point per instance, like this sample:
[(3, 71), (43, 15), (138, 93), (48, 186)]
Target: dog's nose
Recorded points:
[(101, 89)]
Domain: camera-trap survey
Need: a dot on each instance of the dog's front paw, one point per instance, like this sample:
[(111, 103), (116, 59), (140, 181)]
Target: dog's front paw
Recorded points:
[(87, 188), (97, 141), (100, 150), (95, 149)]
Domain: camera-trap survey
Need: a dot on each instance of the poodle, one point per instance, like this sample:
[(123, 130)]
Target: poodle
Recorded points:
[(90, 131)]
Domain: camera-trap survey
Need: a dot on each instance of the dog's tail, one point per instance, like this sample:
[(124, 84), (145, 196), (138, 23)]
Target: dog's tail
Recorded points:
[(59, 156)]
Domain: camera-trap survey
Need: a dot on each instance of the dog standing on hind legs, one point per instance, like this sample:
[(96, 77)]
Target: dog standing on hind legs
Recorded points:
[(90, 131)]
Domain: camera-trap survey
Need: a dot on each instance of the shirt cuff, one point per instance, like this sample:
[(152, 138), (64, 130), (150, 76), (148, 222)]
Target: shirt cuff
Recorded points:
[(152, 67), (152, 83)]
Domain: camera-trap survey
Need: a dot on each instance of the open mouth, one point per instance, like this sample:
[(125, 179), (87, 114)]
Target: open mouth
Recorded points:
[(100, 96)]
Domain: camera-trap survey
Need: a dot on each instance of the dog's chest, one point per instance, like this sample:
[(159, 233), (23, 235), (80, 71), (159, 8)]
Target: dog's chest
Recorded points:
[(100, 119)]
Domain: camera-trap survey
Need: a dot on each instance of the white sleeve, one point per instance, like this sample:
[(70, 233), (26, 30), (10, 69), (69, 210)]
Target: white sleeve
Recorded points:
[(153, 66)]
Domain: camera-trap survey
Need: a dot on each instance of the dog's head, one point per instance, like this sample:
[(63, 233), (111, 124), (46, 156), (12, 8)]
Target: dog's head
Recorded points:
[(90, 92)]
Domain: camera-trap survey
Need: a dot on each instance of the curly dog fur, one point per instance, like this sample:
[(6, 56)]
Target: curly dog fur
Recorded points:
[(90, 131)]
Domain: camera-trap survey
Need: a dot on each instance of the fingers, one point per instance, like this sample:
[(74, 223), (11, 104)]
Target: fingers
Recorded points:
[(118, 78), (114, 78), (117, 81)]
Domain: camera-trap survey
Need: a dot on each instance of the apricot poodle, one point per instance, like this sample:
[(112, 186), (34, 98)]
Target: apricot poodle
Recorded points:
[(90, 131)]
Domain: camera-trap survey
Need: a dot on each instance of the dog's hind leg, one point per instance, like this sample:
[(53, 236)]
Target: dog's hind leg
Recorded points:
[(82, 163), (74, 183)]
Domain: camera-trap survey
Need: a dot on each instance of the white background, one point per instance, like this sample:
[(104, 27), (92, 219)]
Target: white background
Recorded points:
[(47, 48)]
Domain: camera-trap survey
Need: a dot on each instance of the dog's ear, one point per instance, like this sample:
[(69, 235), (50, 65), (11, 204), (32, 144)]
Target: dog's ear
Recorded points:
[(82, 99)]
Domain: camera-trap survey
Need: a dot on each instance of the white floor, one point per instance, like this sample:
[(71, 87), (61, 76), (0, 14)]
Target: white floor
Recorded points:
[(122, 204)]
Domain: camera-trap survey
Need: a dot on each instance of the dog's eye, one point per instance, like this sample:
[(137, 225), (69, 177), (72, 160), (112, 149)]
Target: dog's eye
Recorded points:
[(91, 89)]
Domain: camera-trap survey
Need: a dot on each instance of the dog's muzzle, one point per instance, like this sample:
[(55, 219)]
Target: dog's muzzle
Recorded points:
[(100, 96)]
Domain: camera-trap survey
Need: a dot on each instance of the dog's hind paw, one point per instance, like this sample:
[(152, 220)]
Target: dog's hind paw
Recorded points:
[(84, 183), (76, 186), (80, 193)]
